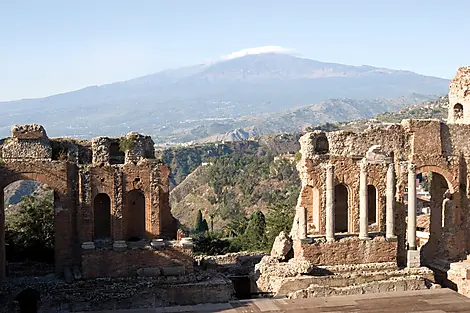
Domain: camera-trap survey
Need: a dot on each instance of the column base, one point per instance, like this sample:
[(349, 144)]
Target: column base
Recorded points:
[(330, 239), (413, 259), (364, 237), (391, 238)]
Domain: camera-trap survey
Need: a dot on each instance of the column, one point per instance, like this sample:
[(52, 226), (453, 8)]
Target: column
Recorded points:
[(330, 202), (390, 212), (302, 222), (411, 207), (363, 210)]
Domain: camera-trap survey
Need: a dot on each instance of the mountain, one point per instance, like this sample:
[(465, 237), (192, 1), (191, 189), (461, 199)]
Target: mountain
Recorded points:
[(294, 120), (170, 102)]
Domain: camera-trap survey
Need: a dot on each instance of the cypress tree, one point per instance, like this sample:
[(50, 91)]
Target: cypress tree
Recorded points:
[(198, 226)]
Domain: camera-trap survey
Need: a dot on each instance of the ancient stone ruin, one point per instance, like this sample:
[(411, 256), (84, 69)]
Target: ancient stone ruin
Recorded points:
[(358, 207), (112, 215)]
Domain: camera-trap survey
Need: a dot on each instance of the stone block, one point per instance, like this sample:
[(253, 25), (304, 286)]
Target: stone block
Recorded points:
[(149, 272), (28, 131), (173, 271), (119, 246), (413, 259), (89, 245), (281, 247), (157, 244), (187, 243)]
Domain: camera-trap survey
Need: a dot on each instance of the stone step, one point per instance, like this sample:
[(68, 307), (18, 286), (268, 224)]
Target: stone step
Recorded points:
[(405, 283), (359, 267), (346, 279)]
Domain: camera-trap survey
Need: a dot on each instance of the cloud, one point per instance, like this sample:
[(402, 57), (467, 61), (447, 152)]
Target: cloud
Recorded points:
[(257, 50)]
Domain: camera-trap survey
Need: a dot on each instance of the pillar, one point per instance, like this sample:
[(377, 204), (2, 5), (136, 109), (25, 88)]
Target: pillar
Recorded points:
[(302, 222), (390, 210), (363, 210), (411, 207), (330, 203)]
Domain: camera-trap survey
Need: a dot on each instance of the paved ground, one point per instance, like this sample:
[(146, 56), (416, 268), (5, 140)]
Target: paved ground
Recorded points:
[(423, 301)]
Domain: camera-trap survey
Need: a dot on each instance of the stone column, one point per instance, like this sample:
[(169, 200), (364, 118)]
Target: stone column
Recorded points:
[(390, 210), (330, 202), (411, 207), (302, 222), (363, 210)]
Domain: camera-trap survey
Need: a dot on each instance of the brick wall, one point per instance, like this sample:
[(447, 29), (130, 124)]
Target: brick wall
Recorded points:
[(110, 263), (350, 250)]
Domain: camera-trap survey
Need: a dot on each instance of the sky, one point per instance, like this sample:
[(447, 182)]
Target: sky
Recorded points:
[(49, 47)]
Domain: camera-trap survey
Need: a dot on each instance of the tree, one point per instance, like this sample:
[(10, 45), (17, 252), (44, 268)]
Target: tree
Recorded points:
[(204, 226), (279, 218), (30, 227), (254, 237), (198, 226)]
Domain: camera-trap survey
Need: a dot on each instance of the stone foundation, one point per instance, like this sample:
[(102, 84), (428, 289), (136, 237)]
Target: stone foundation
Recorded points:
[(349, 250), (129, 261), (119, 293)]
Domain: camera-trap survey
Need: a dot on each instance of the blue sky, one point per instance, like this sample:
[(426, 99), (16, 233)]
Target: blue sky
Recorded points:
[(49, 47)]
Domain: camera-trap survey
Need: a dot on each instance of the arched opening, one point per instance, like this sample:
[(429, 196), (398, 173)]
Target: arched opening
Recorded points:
[(321, 145), (116, 156), (371, 204), (434, 212), (136, 215), (102, 217), (458, 111), (29, 228), (341, 208)]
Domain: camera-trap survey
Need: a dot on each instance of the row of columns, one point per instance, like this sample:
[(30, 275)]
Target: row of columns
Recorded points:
[(363, 202)]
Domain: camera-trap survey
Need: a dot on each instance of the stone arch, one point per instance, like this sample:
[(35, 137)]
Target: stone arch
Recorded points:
[(453, 185), (341, 208), (54, 175), (372, 204), (458, 111), (136, 215), (101, 217), (441, 203)]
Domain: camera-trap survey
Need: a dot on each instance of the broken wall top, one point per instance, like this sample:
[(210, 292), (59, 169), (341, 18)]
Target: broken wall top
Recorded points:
[(460, 84), (28, 131)]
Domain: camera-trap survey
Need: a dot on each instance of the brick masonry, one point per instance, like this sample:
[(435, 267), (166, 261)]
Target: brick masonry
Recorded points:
[(78, 171), (350, 250)]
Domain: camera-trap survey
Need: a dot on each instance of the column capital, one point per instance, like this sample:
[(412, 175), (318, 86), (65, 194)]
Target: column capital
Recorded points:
[(363, 165), (411, 167), (330, 167), (391, 166)]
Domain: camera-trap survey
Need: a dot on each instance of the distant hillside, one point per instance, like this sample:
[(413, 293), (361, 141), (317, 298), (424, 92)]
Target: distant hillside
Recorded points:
[(246, 178), (204, 100), (294, 120), (184, 160)]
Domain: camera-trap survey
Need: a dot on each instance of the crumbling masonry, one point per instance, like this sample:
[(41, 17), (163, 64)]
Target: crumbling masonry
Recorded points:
[(358, 199), (112, 214)]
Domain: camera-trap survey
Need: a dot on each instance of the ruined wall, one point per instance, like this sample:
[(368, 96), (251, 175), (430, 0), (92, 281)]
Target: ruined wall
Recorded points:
[(392, 138), (110, 263), (459, 97), (78, 171), (350, 250), (27, 142)]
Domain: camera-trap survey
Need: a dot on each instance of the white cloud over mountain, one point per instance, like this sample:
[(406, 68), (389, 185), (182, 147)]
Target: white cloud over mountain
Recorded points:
[(257, 50)]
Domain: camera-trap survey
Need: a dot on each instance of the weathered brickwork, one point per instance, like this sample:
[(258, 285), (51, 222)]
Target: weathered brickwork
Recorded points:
[(109, 263), (109, 189), (350, 250)]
